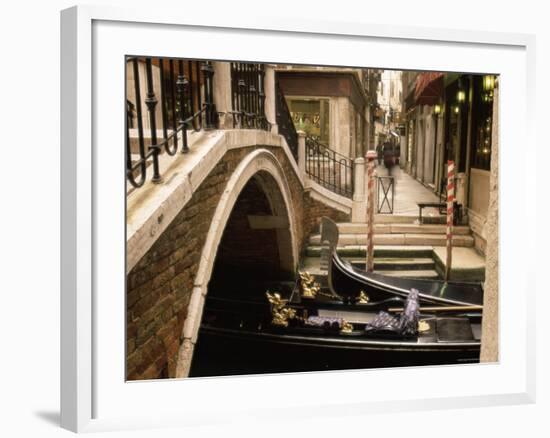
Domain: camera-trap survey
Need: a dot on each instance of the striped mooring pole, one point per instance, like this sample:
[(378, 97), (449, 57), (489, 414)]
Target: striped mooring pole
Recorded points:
[(450, 215), (371, 160)]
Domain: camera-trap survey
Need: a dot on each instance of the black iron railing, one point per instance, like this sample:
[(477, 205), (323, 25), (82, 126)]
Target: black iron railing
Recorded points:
[(386, 194), (248, 96), (177, 95), (284, 122), (329, 168)]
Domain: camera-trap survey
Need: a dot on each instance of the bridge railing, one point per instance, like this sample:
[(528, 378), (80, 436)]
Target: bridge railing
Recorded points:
[(248, 96), (328, 167), (165, 97), (168, 97)]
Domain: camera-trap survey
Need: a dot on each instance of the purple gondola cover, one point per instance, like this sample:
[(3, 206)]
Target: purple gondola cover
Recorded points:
[(406, 324)]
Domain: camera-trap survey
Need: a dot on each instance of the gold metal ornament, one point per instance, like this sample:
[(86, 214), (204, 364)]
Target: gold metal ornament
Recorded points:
[(347, 327), (363, 298), (423, 326), (279, 312), (309, 287)]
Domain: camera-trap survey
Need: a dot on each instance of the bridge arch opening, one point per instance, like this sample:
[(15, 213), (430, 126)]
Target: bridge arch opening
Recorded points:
[(251, 241), (256, 242)]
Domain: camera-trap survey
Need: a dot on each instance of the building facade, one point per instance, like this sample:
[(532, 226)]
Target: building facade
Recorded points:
[(449, 116), (329, 104), (389, 98)]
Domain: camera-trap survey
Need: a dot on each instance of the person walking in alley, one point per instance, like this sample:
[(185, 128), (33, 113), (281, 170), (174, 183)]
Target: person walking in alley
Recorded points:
[(380, 153), (389, 158)]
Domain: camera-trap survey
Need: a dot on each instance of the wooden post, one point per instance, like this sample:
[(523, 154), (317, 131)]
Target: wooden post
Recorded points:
[(450, 216), (371, 159)]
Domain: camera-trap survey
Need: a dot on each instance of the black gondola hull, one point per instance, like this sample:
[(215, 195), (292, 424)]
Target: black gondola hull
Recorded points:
[(347, 281), (221, 351)]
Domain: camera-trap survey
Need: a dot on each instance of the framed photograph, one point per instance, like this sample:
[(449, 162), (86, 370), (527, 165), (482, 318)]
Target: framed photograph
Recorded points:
[(254, 211)]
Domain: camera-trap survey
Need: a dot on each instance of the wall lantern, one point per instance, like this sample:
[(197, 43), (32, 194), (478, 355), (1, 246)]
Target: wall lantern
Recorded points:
[(456, 109), (488, 87), (437, 109), (488, 83), (461, 96)]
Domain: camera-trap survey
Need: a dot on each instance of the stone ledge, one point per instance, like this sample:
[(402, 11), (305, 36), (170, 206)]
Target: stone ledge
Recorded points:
[(327, 197), (151, 208)]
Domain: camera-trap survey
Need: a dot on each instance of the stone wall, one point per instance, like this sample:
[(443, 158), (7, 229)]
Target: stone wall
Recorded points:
[(315, 210), (159, 286), (489, 332), (245, 252)]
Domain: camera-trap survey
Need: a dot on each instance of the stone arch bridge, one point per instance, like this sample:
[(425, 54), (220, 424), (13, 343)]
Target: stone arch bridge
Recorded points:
[(237, 202)]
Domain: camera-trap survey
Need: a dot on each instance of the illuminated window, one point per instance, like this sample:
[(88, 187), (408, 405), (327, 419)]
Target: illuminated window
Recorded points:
[(311, 116), (483, 122)]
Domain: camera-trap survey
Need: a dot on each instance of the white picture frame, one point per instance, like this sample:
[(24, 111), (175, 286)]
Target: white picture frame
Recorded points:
[(84, 177)]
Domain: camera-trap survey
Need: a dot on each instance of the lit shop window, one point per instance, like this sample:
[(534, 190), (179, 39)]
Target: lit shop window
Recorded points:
[(311, 116), (483, 116)]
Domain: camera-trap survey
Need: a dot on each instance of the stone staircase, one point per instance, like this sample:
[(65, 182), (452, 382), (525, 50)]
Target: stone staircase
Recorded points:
[(402, 234), (402, 248), (412, 262)]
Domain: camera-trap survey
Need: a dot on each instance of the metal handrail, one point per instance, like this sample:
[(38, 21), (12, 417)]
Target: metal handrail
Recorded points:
[(186, 102), (248, 96), (329, 168)]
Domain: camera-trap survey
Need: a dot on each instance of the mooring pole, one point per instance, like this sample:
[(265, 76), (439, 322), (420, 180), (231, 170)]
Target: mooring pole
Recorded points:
[(371, 159), (450, 216)]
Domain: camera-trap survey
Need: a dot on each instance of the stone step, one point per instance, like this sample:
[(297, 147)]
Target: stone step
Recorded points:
[(398, 239), (394, 218), (379, 251), (397, 263), (399, 228), (425, 274), (407, 219), (424, 270)]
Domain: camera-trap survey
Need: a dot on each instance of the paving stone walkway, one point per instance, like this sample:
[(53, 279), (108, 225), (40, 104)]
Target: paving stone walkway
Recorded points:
[(408, 192)]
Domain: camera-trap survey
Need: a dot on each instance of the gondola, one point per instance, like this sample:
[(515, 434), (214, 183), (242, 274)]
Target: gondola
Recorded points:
[(242, 336), (302, 326), (348, 281), (358, 320)]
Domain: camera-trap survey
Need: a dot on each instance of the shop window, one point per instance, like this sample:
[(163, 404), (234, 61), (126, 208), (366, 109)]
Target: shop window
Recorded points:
[(311, 116), (456, 122), (483, 122)]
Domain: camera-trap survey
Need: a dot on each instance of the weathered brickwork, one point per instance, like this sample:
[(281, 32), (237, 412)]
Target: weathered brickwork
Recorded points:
[(245, 251), (315, 210), (159, 286)]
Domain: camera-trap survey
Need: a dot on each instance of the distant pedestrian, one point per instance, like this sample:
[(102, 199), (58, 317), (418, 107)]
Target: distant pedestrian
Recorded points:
[(380, 152), (389, 159)]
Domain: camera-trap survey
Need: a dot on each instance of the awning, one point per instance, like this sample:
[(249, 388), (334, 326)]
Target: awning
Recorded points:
[(429, 88)]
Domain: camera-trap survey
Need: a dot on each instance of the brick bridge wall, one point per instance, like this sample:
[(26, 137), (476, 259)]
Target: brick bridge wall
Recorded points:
[(315, 210), (239, 252), (159, 286)]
